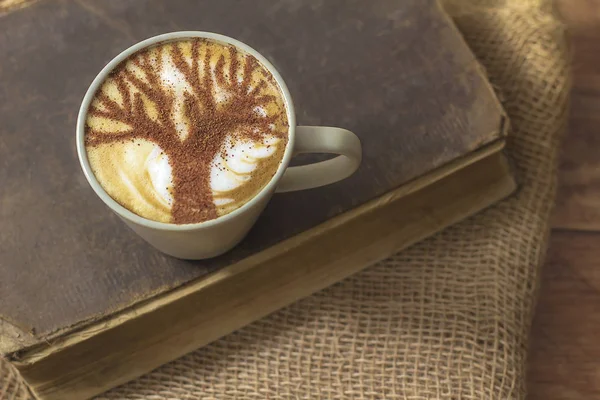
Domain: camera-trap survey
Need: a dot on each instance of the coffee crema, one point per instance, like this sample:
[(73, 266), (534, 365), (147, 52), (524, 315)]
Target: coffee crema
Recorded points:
[(186, 131)]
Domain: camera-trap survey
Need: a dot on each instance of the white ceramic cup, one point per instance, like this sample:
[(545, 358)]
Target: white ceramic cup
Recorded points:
[(214, 237)]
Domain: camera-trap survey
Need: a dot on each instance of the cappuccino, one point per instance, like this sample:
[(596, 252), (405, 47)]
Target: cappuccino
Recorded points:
[(186, 131)]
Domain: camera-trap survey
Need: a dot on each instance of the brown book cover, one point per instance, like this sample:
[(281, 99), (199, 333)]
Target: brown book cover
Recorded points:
[(80, 293)]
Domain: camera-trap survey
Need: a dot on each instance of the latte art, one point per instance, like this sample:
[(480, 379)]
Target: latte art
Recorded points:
[(186, 131)]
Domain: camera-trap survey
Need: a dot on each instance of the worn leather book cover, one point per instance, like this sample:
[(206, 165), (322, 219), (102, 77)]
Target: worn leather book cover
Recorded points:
[(85, 304)]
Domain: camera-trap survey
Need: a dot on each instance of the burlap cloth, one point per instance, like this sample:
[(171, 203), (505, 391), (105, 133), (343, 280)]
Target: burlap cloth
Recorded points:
[(448, 318)]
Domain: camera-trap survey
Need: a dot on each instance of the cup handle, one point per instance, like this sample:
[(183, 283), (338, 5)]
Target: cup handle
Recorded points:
[(322, 139)]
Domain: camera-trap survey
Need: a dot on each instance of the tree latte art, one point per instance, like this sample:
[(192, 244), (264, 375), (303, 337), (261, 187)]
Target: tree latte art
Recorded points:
[(187, 131)]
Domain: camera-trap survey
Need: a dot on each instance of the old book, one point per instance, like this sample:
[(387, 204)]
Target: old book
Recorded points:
[(86, 305)]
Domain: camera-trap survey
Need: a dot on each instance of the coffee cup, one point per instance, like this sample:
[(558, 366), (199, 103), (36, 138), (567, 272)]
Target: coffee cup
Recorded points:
[(216, 236)]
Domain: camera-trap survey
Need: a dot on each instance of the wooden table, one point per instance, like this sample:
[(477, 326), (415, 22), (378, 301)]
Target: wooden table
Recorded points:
[(565, 345)]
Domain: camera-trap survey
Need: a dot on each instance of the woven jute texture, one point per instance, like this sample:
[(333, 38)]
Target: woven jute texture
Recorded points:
[(445, 319)]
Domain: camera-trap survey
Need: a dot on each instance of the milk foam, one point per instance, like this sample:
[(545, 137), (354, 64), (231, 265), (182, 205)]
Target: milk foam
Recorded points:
[(160, 173), (138, 173), (232, 170), (171, 76), (227, 173)]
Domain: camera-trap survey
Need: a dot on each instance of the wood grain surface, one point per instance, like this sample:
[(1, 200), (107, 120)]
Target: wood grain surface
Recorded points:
[(565, 348), (578, 203)]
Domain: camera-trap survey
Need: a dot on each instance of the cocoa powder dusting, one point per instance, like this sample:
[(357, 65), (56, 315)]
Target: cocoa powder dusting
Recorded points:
[(209, 122)]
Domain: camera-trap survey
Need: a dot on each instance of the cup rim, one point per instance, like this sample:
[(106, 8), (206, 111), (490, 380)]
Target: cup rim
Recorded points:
[(168, 37)]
